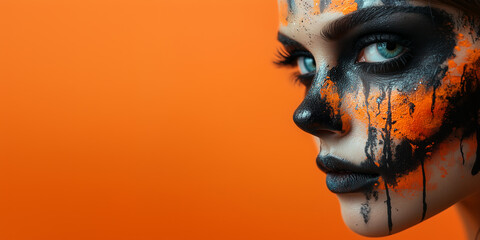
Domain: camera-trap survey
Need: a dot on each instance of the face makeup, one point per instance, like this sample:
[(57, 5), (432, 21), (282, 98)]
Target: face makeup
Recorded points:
[(393, 96), (344, 177)]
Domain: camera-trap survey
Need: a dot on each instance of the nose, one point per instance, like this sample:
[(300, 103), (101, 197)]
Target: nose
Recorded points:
[(318, 115)]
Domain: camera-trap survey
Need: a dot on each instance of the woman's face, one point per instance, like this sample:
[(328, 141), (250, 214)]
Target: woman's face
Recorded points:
[(392, 98)]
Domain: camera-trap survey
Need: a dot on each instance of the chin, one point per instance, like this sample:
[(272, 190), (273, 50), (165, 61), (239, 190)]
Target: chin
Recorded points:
[(370, 218)]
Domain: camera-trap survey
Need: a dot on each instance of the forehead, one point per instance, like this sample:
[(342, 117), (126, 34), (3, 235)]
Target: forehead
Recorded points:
[(317, 7)]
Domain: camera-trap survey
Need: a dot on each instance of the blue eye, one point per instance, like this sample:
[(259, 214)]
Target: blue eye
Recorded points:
[(389, 50), (306, 65), (381, 52)]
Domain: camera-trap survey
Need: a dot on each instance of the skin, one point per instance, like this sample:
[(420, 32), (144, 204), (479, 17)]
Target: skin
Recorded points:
[(416, 125)]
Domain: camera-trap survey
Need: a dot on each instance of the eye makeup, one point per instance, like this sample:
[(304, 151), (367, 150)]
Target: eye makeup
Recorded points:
[(389, 66), (290, 54), (421, 31)]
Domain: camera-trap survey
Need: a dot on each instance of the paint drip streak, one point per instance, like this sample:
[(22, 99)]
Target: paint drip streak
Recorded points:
[(462, 79), (387, 155), (476, 165), (461, 151), (389, 209), (369, 151), (387, 150), (434, 97), (424, 191)]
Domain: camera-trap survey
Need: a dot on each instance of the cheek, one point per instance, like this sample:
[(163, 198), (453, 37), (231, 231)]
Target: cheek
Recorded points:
[(415, 117), (419, 115)]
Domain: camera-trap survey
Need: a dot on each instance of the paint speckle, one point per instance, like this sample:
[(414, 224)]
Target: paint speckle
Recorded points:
[(365, 211)]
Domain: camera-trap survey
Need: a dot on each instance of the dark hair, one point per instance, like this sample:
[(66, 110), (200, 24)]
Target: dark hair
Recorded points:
[(470, 7)]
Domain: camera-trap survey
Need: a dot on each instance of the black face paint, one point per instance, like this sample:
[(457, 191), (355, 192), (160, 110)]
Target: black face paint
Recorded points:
[(316, 114), (476, 165), (387, 159), (360, 3), (461, 151), (466, 115), (395, 2), (441, 41)]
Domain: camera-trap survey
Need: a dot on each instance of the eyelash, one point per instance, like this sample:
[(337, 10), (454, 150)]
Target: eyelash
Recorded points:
[(288, 57)]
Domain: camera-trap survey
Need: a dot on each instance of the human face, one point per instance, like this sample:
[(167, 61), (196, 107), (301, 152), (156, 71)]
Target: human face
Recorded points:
[(392, 96)]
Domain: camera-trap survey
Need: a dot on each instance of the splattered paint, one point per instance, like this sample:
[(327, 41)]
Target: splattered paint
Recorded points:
[(365, 211)]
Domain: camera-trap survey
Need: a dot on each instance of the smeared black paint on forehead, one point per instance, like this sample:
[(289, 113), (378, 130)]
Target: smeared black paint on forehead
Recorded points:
[(394, 2), (291, 5), (364, 3), (324, 5)]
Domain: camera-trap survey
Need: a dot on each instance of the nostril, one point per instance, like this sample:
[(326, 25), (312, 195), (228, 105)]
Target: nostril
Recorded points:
[(325, 133), (305, 120)]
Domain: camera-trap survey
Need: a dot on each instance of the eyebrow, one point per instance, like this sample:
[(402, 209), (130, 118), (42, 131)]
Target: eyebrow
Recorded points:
[(339, 27)]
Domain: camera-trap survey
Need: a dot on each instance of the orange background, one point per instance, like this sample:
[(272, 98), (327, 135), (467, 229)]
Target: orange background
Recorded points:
[(161, 119)]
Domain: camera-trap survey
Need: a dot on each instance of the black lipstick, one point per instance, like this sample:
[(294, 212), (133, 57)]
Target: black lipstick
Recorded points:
[(345, 177)]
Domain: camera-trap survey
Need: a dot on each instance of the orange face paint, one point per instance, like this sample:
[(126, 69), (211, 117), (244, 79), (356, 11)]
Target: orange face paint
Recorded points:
[(417, 115), (316, 7), (343, 6)]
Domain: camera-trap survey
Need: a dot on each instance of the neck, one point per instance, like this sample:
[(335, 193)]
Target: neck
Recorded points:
[(469, 210)]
